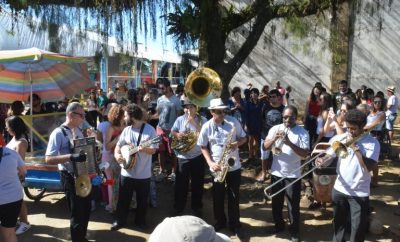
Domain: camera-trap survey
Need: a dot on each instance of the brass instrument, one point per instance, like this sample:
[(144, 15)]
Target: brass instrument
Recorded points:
[(337, 147), (202, 85), (277, 146), (129, 152), (226, 161), (188, 141)]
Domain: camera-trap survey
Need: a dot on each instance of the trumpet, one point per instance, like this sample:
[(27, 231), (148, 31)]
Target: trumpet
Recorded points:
[(277, 146)]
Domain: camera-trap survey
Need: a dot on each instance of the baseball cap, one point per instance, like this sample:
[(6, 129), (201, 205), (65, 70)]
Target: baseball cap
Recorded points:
[(186, 228)]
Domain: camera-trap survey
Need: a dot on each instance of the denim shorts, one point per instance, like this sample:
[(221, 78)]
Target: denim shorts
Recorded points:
[(264, 153), (390, 119)]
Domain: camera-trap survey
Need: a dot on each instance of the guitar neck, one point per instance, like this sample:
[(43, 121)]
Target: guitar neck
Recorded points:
[(143, 145)]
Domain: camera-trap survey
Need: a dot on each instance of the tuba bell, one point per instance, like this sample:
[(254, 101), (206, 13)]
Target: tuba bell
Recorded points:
[(202, 85)]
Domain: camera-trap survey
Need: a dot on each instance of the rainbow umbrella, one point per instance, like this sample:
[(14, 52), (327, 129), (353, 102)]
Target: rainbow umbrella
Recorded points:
[(50, 75)]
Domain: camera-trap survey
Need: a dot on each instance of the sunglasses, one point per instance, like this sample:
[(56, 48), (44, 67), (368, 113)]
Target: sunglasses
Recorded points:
[(377, 102), (218, 111), (272, 96), (79, 114)]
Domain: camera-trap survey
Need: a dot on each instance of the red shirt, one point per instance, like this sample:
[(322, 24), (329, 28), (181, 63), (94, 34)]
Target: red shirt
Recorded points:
[(313, 108)]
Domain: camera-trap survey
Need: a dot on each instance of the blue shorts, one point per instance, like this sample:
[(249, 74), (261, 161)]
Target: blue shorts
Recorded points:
[(390, 119), (264, 153), (9, 214)]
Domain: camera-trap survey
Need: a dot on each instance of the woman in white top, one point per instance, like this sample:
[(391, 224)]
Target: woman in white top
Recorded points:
[(376, 120), (336, 122), (325, 102), (19, 142)]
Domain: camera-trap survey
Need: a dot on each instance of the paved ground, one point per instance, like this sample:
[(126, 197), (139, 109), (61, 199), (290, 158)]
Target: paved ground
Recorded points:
[(50, 222)]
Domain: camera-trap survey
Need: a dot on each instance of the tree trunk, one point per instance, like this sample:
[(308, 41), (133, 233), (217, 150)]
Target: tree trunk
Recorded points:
[(341, 42)]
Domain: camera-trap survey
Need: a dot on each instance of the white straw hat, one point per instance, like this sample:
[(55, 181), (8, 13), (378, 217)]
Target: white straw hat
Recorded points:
[(217, 103)]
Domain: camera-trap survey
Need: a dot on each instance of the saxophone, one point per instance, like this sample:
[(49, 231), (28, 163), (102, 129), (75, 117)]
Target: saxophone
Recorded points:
[(226, 161)]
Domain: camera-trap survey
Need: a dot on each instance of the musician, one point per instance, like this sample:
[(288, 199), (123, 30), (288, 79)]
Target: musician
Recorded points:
[(296, 145), (137, 178), (215, 133), (351, 191), (190, 164), (59, 151)]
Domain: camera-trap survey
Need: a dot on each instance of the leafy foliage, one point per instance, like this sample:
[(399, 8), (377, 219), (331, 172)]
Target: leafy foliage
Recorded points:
[(123, 19), (184, 25)]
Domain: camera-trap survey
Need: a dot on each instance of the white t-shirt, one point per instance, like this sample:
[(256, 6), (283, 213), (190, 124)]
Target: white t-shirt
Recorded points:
[(394, 102), (130, 135), (181, 125), (286, 162), (353, 179), (10, 186), (216, 135)]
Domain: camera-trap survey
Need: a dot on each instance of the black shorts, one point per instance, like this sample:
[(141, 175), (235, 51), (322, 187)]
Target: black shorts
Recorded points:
[(9, 214)]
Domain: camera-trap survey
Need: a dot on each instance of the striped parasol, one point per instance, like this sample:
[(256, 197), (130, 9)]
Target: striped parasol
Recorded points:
[(50, 75)]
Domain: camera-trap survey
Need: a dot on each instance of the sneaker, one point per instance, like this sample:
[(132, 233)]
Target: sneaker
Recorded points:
[(23, 227)]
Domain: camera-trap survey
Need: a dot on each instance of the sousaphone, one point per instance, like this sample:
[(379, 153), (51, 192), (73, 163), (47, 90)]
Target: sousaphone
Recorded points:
[(202, 85)]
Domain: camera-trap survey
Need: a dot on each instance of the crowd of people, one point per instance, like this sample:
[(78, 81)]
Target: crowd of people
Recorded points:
[(265, 120)]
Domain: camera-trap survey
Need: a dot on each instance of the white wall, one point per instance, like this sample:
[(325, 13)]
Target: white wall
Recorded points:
[(302, 62)]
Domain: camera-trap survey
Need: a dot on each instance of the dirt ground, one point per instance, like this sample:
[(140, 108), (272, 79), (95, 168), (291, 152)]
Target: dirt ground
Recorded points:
[(49, 217)]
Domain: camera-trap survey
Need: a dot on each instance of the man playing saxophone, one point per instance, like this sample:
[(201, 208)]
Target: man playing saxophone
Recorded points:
[(191, 162), (215, 133), (292, 144)]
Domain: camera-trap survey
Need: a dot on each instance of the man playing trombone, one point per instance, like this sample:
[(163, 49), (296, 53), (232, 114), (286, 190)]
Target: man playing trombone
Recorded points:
[(289, 143), (351, 191)]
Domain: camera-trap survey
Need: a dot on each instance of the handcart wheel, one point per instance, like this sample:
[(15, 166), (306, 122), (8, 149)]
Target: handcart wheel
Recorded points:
[(34, 193)]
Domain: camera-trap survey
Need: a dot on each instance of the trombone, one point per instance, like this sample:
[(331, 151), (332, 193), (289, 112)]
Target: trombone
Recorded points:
[(338, 147), (266, 190)]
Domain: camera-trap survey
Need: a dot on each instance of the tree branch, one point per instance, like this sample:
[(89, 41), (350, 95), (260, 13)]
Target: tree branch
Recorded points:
[(258, 28), (235, 20), (303, 8)]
